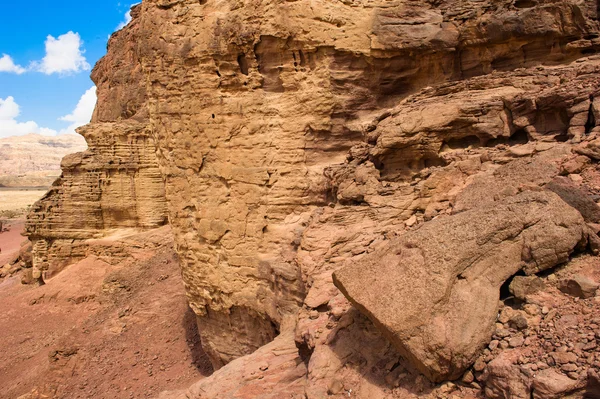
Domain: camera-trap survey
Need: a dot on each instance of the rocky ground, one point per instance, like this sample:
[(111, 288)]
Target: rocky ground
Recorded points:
[(104, 328)]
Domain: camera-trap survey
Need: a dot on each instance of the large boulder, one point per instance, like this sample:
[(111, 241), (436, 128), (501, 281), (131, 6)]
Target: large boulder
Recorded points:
[(434, 291)]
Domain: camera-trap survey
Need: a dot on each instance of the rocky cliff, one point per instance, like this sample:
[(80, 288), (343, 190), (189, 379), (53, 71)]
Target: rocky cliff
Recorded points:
[(298, 139), (114, 184)]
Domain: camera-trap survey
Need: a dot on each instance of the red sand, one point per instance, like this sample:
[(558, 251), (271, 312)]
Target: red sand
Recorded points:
[(10, 241), (99, 330)]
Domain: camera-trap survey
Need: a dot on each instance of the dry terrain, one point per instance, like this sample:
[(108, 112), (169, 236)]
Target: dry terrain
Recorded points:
[(104, 328), (15, 202)]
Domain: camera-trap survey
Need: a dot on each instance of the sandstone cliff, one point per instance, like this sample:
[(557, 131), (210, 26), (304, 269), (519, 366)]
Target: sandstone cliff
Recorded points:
[(299, 138), (114, 184)]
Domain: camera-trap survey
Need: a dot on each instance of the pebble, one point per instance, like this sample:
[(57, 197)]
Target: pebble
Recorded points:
[(545, 310), (516, 341), (479, 365), (569, 367), (573, 375)]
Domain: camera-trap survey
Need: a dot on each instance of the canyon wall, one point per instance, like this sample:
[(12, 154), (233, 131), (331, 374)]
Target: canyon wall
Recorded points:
[(115, 184), (254, 105), (296, 139)]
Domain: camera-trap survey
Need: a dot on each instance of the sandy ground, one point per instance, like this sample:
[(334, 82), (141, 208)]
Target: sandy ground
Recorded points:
[(18, 200), (10, 241), (101, 331)]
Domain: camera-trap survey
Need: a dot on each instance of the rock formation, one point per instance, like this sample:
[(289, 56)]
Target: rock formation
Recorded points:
[(114, 184), (300, 138)]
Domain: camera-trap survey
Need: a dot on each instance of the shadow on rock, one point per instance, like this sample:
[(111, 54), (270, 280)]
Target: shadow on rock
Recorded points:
[(199, 358)]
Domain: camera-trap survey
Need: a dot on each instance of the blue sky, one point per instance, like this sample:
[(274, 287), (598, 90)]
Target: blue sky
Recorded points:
[(43, 78)]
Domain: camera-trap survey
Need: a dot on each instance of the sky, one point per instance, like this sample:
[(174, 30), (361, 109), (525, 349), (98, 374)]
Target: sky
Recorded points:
[(47, 51)]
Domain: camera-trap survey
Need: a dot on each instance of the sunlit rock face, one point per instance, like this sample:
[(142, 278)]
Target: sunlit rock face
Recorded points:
[(296, 137), (114, 184), (254, 104)]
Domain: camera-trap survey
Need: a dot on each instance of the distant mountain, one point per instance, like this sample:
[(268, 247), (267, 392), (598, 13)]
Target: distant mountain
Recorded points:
[(34, 160)]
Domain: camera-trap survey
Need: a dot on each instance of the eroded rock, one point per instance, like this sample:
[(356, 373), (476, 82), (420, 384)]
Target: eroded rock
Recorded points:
[(434, 291)]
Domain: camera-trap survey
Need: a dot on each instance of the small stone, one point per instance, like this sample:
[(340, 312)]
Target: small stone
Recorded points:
[(479, 364), (505, 314), (503, 345), (590, 346), (516, 341), (411, 221), (573, 375), (502, 333), (568, 367), (494, 344), (563, 357), (335, 387), (531, 309), (518, 322), (468, 377), (545, 310), (521, 286), (578, 286)]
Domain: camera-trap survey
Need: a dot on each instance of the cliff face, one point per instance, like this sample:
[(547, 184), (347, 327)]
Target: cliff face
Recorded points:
[(255, 104), (114, 184), (297, 137)]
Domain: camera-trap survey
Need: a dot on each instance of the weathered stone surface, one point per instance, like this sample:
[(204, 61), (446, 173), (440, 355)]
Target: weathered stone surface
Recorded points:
[(294, 137), (521, 286), (579, 286), (274, 371), (435, 291), (576, 197), (114, 184)]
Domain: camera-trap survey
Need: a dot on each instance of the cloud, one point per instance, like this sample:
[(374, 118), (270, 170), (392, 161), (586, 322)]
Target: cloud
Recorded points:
[(82, 114), (125, 21), (8, 65), (9, 111), (63, 55), (127, 17)]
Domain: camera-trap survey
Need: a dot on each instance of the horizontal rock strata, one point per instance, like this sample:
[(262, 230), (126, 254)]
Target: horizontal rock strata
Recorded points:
[(297, 138)]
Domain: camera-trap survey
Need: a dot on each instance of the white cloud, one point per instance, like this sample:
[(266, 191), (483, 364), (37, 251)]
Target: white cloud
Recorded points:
[(127, 17), (8, 65), (82, 114), (9, 111), (125, 21), (63, 55)]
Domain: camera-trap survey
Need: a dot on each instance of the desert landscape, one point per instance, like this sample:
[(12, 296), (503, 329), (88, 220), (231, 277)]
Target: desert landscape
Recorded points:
[(319, 199)]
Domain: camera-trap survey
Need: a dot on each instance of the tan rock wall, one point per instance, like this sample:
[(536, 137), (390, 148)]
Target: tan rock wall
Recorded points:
[(114, 184), (296, 136), (254, 103)]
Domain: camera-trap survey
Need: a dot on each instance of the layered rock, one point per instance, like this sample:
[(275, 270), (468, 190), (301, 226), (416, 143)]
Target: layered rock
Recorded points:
[(297, 137), (250, 104), (114, 184)]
